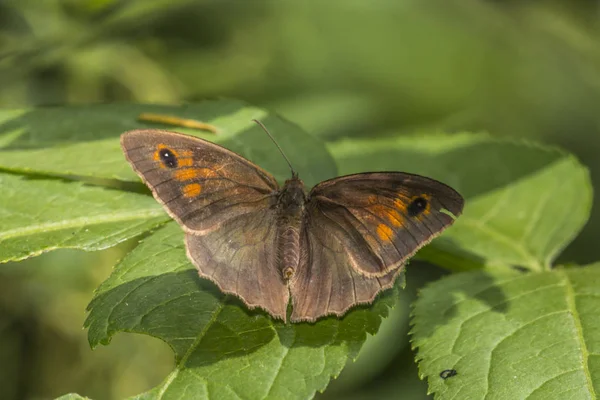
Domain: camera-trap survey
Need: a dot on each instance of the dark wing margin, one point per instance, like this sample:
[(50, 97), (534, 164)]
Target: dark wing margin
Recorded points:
[(200, 184), (383, 218), (240, 259)]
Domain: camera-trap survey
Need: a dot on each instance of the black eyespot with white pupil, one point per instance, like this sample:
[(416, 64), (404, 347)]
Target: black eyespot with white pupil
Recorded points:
[(417, 206), (168, 158)]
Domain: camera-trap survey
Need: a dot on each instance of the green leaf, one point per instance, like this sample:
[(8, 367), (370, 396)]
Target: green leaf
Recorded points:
[(83, 141), (510, 335), (523, 203), (222, 349), (44, 214)]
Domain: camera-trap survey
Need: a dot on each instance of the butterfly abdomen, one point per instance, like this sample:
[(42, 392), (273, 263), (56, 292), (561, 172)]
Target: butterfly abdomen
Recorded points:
[(291, 209), (289, 250)]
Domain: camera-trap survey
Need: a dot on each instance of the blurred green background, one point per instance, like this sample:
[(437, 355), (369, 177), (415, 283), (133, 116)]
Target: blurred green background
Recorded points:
[(338, 68)]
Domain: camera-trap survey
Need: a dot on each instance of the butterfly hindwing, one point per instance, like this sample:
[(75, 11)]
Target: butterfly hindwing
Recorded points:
[(325, 283), (200, 184), (240, 258)]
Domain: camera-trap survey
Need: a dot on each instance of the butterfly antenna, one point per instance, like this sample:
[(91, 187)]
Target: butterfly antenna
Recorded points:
[(294, 174)]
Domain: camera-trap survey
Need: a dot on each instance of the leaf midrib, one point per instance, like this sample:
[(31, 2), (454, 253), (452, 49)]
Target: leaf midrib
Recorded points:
[(531, 260), (585, 354), (180, 365), (80, 222)]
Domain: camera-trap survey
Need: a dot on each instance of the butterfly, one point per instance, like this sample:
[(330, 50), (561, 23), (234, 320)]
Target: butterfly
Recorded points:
[(326, 250)]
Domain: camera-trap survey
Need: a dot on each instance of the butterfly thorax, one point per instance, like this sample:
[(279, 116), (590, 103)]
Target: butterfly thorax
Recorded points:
[(290, 209)]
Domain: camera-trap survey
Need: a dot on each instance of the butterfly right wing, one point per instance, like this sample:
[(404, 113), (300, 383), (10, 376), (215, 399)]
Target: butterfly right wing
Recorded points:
[(359, 231)]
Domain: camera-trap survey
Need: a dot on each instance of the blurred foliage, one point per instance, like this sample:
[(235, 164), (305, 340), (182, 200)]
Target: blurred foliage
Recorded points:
[(338, 68)]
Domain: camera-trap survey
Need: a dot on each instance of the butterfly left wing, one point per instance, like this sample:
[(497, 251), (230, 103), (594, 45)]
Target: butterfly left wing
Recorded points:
[(359, 230), (240, 258), (200, 184), (226, 205)]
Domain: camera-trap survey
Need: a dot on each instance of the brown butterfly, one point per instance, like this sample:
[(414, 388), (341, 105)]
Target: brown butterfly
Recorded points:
[(328, 250)]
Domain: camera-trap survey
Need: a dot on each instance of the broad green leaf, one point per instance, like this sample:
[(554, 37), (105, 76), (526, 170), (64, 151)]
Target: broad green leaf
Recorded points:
[(44, 214), (523, 203), (83, 141), (222, 350), (510, 335)]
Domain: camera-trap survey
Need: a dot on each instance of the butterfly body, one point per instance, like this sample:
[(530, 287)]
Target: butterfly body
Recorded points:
[(292, 200), (326, 251)]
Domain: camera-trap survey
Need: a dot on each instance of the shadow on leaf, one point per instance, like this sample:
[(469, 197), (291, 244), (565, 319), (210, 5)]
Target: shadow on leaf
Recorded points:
[(203, 326), (436, 308)]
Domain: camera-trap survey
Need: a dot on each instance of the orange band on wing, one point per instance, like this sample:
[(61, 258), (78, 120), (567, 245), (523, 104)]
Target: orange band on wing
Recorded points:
[(384, 232), (385, 212), (186, 162), (186, 174), (192, 190)]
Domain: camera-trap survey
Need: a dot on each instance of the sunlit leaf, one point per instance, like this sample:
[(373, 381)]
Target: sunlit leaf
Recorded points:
[(44, 214), (510, 335)]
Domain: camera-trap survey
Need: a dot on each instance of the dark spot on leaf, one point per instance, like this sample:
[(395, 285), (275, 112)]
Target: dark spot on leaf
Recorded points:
[(168, 158), (448, 373), (417, 206)]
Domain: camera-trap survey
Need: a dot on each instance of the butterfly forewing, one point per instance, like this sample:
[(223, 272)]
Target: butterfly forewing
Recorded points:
[(201, 185), (383, 218)]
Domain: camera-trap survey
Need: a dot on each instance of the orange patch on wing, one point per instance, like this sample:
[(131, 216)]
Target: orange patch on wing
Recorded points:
[(384, 232), (186, 174), (385, 212), (185, 162), (401, 203), (192, 190), (394, 218), (157, 152)]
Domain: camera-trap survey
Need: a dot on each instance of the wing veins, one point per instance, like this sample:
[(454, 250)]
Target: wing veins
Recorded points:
[(391, 239), (183, 217), (380, 261), (221, 177)]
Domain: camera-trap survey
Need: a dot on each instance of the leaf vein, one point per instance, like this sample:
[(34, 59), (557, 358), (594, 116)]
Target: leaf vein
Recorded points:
[(570, 294)]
